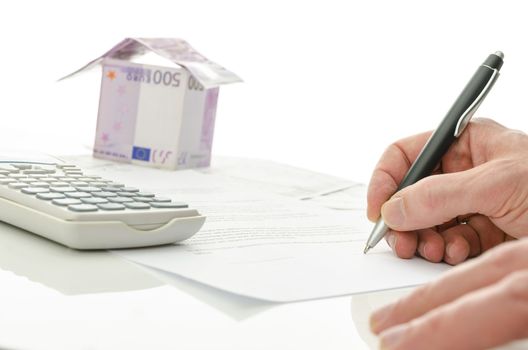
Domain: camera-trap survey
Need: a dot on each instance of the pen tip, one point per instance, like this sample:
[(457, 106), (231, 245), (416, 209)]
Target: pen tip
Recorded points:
[(500, 54), (367, 248)]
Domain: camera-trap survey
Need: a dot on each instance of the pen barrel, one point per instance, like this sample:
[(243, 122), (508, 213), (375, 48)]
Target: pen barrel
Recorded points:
[(444, 135)]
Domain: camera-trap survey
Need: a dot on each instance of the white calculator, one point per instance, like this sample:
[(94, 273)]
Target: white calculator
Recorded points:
[(82, 211)]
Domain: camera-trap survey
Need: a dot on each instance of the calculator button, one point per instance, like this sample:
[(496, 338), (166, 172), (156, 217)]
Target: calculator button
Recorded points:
[(50, 169), (144, 194), (17, 185), (21, 166), (39, 184), (111, 206), (18, 176), (35, 171), (86, 179), (143, 199), (65, 179), (7, 180), (63, 189), (27, 179), (111, 189), (34, 190), (169, 205), (77, 194), (64, 166), (161, 199), (50, 195), (104, 194), (120, 199), (93, 177), (66, 201), (79, 183), (59, 184), (4, 172), (129, 189), (9, 169), (72, 170), (136, 205), (126, 194), (98, 184), (82, 207), (113, 184), (75, 175), (94, 200), (87, 188), (44, 178)]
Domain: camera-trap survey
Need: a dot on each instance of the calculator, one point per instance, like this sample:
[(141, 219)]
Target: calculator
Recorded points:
[(60, 202)]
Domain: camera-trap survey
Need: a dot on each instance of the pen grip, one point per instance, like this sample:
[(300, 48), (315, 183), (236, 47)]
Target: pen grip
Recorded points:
[(442, 138)]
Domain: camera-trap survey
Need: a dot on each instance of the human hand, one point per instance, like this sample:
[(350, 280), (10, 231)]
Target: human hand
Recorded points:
[(476, 199), (478, 305)]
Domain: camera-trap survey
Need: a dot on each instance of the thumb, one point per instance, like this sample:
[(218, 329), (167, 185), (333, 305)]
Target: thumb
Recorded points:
[(437, 199)]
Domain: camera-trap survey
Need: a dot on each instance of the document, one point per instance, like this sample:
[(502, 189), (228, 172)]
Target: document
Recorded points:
[(277, 178), (264, 245)]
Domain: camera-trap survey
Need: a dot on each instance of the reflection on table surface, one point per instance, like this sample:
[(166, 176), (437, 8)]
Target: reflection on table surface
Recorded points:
[(95, 300), (67, 270)]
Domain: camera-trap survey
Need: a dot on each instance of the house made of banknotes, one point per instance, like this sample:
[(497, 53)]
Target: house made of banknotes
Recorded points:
[(157, 115)]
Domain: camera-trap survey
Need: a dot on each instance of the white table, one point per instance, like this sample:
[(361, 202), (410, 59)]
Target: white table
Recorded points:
[(53, 297)]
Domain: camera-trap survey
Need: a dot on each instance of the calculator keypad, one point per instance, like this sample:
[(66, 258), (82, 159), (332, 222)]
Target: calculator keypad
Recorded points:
[(65, 185)]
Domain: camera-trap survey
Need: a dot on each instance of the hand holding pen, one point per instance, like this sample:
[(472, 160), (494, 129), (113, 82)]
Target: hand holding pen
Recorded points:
[(476, 200), (436, 145)]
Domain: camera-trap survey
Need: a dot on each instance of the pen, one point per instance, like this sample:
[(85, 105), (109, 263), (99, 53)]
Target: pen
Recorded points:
[(449, 129)]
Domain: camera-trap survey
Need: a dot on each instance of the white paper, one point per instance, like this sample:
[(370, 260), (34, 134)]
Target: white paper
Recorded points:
[(267, 246), (352, 198), (277, 178)]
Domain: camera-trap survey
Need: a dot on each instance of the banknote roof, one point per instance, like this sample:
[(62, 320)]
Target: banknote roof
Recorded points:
[(177, 51)]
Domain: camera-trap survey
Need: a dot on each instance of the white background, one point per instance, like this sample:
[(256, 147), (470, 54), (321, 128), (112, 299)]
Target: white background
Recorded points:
[(328, 84)]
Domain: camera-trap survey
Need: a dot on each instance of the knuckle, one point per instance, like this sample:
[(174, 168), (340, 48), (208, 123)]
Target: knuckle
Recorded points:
[(428, 199), (516, 285), (419, 299), (507, 254)]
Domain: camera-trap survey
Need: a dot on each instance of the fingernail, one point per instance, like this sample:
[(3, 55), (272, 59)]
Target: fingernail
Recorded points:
[(422, 249), (393, 212), (391, 338), (380, 317), (456, 253), (451, 250)]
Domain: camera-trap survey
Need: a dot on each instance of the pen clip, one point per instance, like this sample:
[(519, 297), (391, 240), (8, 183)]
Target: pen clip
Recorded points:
[(464, 119)]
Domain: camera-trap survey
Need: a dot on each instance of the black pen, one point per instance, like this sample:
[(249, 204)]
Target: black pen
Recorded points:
[(449, 129)]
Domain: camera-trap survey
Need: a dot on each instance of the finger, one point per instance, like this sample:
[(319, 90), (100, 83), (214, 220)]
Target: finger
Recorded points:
[(390, 170), (439, 198), (403, 244), (461, 243), (430, 245), (482, 319), (487, 269), (489, 234)]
